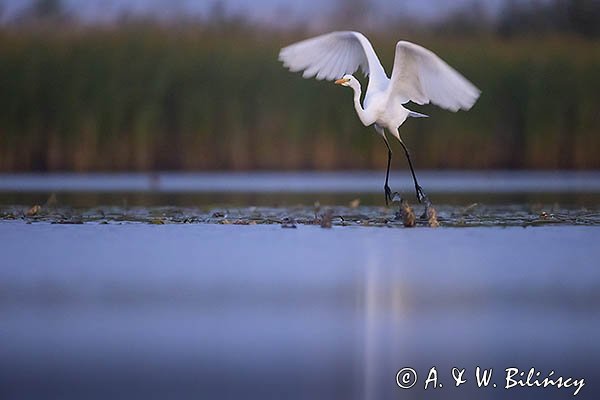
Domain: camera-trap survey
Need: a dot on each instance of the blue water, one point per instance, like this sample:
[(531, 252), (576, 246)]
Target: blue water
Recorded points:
[(210, 311), (495, 182)]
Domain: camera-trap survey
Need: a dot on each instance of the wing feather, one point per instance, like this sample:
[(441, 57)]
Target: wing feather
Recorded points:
[(332, 55), (328, 65), (337, 66), (420, 76)]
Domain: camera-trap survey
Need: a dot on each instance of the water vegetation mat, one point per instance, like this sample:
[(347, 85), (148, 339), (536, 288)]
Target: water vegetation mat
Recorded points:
[(396, 216)]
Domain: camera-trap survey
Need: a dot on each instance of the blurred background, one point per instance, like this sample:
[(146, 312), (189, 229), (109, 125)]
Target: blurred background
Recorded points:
[(130, 85)]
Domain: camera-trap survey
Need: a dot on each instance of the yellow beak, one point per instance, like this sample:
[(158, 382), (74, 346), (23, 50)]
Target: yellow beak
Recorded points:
[(341, 81)]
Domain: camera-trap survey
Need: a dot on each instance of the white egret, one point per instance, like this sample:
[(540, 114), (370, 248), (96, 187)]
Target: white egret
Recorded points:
[(418, 75)]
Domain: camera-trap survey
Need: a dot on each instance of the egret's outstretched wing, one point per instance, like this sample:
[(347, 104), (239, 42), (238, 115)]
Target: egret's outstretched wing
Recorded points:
[(422, 77), (333, 55)]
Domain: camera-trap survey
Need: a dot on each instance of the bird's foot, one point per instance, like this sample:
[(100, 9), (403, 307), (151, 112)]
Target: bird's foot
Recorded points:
[(421, 196), (388, 194)]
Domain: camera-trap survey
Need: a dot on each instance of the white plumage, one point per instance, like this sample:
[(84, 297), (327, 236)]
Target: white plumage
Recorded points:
[(418, 75), (333, 55), (421, 76)]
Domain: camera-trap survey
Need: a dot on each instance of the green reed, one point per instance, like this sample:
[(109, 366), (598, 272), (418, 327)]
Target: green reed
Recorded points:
[(144, 97)]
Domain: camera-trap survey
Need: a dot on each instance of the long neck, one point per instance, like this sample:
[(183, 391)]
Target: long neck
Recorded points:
[(359, 109)]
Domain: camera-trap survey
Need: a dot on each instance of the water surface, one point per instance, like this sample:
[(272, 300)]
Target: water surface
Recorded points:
[(188, 285), (496, 198), (212, 311)]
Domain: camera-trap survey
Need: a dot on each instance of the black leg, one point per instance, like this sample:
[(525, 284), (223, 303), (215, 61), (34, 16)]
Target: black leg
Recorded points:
[(420, 195), (386, 187)]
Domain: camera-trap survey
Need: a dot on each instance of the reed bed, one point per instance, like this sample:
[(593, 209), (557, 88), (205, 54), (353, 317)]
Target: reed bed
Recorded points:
[(151, 97)]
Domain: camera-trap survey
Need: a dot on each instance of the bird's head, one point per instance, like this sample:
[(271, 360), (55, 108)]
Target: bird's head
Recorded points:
[(347, 80)]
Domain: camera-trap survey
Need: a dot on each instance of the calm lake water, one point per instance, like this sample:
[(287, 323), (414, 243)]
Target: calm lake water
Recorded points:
[(110, 304), (270, 188)]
